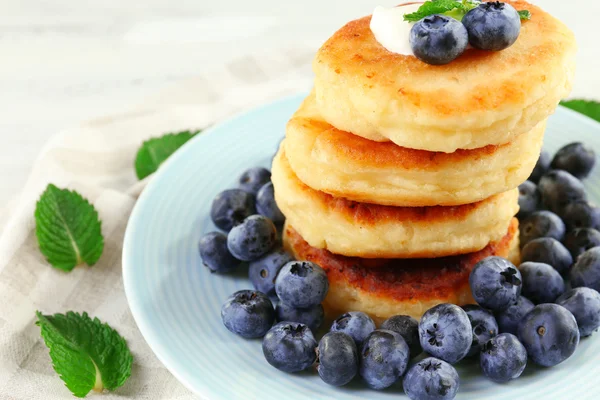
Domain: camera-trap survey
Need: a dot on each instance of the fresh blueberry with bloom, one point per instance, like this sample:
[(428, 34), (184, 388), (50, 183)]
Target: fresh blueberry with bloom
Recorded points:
[(495, 283), (408, 328), (503, 358), (301, 284), (508, 320), (215, 254), (266, 205), (383, 358), (492, 26), (431, 379), (231, 207), (549, 333), (253, 179), (541, 167), (541, 224), (356, 324), (290, 347), (559, 188), (248, 313), (584, 304), (338, 359), (311, 317), (576, 158), (252, 239), (581, 214), (263, 272), (541, 282), (438, 39), (529, 199), (484, 327), (580, 240), (445, 332), (586, 270), (548, 251)]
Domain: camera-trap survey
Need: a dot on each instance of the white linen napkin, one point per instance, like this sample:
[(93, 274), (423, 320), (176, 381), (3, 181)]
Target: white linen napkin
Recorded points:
[(96, 159)]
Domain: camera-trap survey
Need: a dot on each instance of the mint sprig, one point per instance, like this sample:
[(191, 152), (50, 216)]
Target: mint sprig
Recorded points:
[(68, 229), (87, 354), (156, 150), (452, 8), (588, 108)]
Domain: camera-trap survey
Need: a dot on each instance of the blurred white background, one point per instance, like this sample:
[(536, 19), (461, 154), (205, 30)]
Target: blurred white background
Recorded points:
[(65, 61)]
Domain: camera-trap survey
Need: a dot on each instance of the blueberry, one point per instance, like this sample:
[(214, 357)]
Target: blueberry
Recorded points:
[(338, 359), (509, 319), (215, 254), (438, 39), (548, 251), (301, 284), (262, 272), (495, 283), (541, 224), (445, 332), (581, 214), (253, 179), (290, 347), (575, 158), (492, 26), (252, 239), (549, 333), (559, 188), (248, 313), (231, 207), (311, 317), (584, 304), (503, 358), (383, 358), (586, 271), (408, 328), (541, 167), (484, 327), (529, 199), (541, 282), (356, 324), (266, 205), (431, 379), (580, 240)]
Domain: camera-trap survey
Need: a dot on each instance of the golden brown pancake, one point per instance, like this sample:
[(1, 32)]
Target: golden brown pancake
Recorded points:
[(376, 231), (482, 98), (383, 288), (349, 166)]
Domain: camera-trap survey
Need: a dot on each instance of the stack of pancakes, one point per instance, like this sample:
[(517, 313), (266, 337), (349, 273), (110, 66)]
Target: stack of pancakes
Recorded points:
[(397, 176)]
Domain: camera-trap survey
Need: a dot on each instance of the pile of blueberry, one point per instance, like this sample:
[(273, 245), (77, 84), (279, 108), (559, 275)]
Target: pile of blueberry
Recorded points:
[(439, 39)]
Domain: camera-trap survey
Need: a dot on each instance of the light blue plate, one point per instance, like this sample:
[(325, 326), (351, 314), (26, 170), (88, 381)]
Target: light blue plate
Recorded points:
[(176, 302)]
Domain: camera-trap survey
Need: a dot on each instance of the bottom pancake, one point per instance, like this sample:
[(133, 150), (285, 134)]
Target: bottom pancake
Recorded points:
[(386, 287)]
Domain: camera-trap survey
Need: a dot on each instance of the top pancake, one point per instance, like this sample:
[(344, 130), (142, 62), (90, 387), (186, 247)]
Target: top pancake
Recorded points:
[(482, 98)]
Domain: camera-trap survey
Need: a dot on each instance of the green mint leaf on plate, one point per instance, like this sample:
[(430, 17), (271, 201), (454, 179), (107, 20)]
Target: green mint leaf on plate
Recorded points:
[(586, 107), (156, 150), (452, 8), (525, 14), (68, 229), (86, 353)]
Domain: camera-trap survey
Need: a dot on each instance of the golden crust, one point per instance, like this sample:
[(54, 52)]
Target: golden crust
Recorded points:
[(346, 165), (376, 231), (481, 98), (382, 288)]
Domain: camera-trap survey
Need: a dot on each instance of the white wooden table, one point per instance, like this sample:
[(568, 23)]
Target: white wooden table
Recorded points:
[(64, 61)]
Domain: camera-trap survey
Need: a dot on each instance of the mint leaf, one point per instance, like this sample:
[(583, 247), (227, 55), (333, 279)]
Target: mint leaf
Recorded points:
[(586, 107), (68, 229), (86, 353), (453, 8), (525, 15), (156, 150)]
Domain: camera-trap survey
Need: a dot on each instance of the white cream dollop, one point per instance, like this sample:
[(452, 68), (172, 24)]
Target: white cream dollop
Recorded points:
[(390, 28)]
